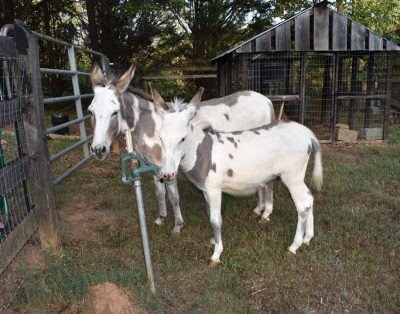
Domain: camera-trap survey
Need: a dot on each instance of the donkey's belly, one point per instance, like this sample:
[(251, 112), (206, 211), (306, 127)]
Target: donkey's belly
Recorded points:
[(236, 186), (237, 189)]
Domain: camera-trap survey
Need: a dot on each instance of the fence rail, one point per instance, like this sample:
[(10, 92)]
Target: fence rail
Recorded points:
[(27, 200), (77, 97)]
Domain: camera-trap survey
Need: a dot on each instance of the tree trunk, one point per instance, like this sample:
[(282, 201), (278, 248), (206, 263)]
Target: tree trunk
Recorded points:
[(92, 25), (7, 12)]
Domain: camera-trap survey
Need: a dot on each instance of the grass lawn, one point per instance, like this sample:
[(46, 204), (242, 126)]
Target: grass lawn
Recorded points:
[(352, 264)]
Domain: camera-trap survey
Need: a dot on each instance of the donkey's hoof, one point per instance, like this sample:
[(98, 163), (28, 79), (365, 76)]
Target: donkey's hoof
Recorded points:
[(212, 241), (306, 242), (292, 250), (213, 263), (257, 211), (176, 232), (159, 221), (263, 220)]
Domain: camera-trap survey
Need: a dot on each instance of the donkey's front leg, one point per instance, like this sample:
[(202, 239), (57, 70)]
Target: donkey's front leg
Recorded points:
[(173, 196), (160, 194), (261, 201), (214, 197)]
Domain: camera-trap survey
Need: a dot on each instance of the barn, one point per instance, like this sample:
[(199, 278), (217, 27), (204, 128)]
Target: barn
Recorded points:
[(325, 68)]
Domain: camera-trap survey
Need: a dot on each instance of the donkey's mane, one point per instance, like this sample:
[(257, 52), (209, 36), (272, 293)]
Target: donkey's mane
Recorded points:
[(178, 105), (140, 93)]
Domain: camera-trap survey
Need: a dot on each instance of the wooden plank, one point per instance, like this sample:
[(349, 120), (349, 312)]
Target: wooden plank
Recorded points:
[(40, 179), (13, 174), (339, 32), (364, 97), (7, 47), (282, 38), (229, 77), (10, 111), (222, 80), (302, 32), (263, 42), (245, 48), (14, 242), (321, 28), (375, 42), (283, 97), (389, 73), (236, 74), (302, 86), (357, 36)]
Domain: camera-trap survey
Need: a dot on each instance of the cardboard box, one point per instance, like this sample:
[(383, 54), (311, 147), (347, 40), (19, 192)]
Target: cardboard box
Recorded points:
[(346, 135)]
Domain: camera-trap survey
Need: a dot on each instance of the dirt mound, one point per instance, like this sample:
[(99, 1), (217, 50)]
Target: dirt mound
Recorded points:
[(110, 299)]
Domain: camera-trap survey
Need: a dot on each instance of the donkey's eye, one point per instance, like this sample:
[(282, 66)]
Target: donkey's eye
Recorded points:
[(182, 140), (114, 113)]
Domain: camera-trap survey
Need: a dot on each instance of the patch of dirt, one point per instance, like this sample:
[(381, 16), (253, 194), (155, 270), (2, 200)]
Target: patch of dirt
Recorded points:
[(84, 217), (108, 298), (35, 258)]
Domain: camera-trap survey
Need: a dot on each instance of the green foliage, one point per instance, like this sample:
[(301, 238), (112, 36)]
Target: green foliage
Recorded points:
[(379, 16)]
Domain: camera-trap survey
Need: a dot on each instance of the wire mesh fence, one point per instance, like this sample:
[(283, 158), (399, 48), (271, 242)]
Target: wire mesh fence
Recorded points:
[(323, 89), (15, 199)]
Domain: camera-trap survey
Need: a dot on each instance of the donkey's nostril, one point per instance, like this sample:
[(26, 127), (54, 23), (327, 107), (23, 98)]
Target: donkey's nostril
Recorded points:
[(91, 149), (103, 149)]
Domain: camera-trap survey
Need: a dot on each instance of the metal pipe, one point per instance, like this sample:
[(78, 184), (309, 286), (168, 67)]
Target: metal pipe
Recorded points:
[(69, 171), (69, 148), (56, 71), (145, 239), (64, 43), (66, 72), (142, 220), (64, 125), (52, 100)]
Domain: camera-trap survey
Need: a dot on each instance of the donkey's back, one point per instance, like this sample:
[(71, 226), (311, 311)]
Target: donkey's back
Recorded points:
[(247, 159), (238, 111)]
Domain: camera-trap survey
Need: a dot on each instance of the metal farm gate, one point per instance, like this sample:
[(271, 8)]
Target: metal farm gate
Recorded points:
[(27, 199)]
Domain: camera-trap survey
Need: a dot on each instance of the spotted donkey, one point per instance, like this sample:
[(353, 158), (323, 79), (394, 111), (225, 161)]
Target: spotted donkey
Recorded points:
[(239, 162), (117, 108)]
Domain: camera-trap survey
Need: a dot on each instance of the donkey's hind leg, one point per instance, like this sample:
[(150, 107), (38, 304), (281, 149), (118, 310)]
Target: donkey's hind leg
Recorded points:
[(269, 195), (309, 234), (304, 203), (160, 194), (173, 196), (261, 201)]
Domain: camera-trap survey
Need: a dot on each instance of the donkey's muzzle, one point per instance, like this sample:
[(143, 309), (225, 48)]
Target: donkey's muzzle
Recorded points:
[(168, 176), (100, 151)]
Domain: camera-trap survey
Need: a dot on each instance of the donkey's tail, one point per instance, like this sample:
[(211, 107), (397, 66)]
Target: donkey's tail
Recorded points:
[(317, 175)]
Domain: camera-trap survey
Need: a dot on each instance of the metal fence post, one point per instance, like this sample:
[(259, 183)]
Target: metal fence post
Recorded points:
[(78, 102)]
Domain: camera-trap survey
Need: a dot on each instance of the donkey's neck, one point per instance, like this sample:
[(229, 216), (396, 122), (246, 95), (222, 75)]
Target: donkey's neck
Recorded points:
[(145, 127), (195, 137)]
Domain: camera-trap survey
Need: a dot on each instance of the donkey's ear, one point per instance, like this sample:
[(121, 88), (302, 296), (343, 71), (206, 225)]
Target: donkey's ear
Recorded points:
[(123, 82), (157, 99), (197, 98), (96, 76)]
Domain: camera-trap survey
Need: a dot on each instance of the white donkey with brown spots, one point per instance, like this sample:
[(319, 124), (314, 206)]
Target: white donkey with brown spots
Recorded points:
[(280, 149), (118, 108)]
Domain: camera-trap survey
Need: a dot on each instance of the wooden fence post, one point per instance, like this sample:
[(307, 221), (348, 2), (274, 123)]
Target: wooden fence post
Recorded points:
[(42, 189)]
